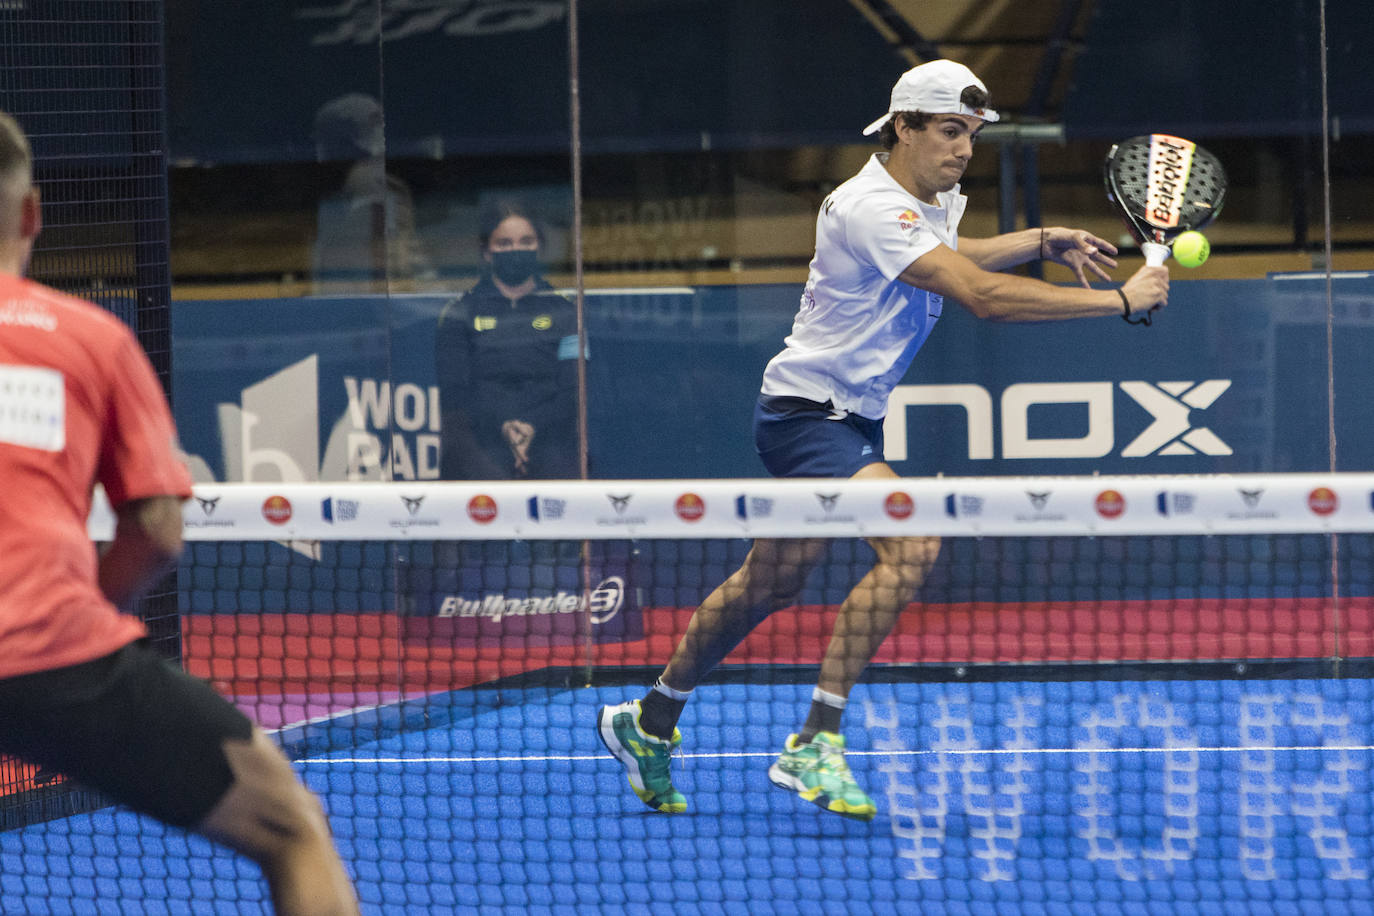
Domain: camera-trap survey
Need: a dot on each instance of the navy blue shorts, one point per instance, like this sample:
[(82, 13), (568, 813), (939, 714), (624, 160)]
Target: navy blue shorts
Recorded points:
[(800, 438)]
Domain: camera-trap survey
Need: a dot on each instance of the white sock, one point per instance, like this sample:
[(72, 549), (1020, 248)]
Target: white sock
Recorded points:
[(680, 695), (834, 701)]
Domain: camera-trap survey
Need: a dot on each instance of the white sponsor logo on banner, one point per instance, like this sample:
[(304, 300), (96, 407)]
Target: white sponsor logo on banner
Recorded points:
[(1171, 406)]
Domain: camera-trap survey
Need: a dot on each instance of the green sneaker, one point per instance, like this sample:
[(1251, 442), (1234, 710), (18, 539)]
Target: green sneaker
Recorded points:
[(645, 757), (818, 773)]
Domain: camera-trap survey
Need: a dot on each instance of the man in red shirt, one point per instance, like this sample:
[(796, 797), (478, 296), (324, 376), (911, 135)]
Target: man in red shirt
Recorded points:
[(80, 693)]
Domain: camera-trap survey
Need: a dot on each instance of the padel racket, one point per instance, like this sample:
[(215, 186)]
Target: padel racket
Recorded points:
[(1163, 186)]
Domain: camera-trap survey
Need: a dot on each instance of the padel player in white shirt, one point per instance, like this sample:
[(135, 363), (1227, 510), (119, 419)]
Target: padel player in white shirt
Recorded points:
[(860, 325), (887, 256)]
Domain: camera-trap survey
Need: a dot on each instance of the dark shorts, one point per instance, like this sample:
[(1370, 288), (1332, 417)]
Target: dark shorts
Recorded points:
[(799, 438), (130, 725)]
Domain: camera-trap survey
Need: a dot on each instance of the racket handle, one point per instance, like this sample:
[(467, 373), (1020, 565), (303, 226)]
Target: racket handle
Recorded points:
[(1155, 254)]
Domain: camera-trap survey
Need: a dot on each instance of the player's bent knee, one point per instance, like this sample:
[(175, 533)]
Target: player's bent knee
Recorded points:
[(267, 812)]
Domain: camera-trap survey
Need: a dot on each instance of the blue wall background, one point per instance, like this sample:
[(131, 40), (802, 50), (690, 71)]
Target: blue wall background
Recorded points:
[(673, 374)]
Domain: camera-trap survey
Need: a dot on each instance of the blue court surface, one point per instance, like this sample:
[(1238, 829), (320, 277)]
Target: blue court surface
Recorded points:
[(1120, 797)]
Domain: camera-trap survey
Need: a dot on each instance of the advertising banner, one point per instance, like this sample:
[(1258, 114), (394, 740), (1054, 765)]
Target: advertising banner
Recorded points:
[(522, 595), (1232, 378)]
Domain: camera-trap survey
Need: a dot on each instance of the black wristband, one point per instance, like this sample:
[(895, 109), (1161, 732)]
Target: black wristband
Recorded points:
[(1041, 250), (1126, 304)]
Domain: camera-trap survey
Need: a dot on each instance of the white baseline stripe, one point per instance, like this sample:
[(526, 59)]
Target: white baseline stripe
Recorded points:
[(737, 755)]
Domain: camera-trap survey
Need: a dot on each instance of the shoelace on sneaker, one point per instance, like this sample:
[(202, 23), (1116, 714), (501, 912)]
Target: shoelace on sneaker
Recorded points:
[(824, 760), (660, 767)]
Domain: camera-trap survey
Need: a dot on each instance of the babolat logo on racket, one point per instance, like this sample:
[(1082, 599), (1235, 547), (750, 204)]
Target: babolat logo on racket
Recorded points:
[(1170, 160)]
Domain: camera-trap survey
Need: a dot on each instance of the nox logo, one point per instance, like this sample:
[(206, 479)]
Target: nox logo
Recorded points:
[(1038, 500), (1171, 406), (619, 503), (208, 505), (828, 500), (412, 503), (1251, 497)]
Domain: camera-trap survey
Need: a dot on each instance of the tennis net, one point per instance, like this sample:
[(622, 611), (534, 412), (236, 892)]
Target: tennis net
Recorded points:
[(1138, 692)]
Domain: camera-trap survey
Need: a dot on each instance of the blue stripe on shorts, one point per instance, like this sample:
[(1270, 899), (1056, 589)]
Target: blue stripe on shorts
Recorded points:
[(800, 438)]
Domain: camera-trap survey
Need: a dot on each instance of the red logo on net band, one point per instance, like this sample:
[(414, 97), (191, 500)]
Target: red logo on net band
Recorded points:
[(899, 505), (1323, 501), (1110, 504), (482, 509), (690, 507), (277, 510)]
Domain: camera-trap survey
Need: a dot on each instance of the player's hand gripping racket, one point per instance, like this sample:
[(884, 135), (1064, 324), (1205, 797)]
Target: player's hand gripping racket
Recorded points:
[(1163, 186)]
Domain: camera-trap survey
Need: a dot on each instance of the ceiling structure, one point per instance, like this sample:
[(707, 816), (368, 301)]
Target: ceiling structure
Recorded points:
[(1023, 51)]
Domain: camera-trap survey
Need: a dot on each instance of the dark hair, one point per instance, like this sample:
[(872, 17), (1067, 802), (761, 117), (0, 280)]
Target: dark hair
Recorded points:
[(971, 97), (915, 120), (496, 212)]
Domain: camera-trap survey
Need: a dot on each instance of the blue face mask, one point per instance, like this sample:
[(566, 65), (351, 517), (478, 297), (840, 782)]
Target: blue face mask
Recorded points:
[(515, 266)]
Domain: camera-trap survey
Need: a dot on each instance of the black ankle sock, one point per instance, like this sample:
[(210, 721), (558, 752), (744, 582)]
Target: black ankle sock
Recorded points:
[(821, 718), (659, 714)]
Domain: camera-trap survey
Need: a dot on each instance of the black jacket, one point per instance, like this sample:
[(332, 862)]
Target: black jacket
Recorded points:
[(498, 360)]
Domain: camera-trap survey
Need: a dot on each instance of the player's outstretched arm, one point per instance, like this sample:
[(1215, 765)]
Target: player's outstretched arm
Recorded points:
[(1076, 249), (1007, 297)]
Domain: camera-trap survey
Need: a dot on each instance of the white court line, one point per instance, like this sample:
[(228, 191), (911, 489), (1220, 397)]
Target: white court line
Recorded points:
[(737, 755)]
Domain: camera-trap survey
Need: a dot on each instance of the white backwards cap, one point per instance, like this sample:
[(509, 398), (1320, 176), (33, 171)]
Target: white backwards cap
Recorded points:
[(934, 88)]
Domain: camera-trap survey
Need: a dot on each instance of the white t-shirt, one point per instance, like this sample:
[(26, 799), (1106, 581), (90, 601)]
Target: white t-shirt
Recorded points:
[(859, 327)]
